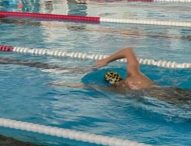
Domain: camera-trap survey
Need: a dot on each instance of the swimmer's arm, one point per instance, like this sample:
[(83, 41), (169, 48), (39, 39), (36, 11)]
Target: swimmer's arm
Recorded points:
[(84, 86), (73, 85), (65, 84), (133, 64)]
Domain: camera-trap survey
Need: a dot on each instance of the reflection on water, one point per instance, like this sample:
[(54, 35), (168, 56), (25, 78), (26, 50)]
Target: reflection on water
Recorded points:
[(76, 8), (31, 5), (48, 6)]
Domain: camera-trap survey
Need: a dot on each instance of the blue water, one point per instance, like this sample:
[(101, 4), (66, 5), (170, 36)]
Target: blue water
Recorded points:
[(29, 94)]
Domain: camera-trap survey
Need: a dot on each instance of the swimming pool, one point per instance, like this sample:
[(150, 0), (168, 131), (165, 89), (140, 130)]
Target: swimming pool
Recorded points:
[(27, 93)]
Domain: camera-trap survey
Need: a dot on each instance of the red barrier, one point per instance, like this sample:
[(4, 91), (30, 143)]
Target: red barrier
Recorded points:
[(87, 19), (4, 48), (2, 16)]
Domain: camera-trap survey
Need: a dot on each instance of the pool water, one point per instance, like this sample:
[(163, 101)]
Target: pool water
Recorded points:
[(30, 94)]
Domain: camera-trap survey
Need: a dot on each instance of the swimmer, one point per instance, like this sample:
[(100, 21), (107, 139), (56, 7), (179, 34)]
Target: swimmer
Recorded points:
[(137, 81)]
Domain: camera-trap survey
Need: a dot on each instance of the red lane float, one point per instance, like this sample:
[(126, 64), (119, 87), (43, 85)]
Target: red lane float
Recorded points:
[(4, 48), (58, 17)]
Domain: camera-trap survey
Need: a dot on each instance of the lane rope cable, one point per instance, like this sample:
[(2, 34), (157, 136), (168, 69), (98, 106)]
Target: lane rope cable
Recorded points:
[(89, 19), (67, 133), (85, 56)]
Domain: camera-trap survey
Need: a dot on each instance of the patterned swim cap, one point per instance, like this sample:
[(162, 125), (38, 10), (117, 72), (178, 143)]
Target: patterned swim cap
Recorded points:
[(112, 77)]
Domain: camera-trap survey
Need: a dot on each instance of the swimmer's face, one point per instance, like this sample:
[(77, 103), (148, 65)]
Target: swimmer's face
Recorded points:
[(122, 85)]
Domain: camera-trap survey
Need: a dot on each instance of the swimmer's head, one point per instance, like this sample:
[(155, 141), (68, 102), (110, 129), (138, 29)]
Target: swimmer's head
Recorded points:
[(112, 77)]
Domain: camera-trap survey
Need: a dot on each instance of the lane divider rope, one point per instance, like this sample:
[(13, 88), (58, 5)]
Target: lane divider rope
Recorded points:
[(58, 17), (89, 19), (147, 22), (162, 1), (78, 55), (67, 133)]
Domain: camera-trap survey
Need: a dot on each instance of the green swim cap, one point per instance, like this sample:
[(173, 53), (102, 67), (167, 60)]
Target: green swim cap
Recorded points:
[(112, 77)]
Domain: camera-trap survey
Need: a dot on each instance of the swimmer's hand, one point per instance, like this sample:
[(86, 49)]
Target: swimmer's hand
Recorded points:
[(101, 63)]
